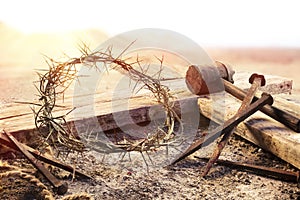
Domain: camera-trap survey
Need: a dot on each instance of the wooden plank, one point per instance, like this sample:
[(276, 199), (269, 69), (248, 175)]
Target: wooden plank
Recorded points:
[(259, 128), (275, 84), (18, 118)]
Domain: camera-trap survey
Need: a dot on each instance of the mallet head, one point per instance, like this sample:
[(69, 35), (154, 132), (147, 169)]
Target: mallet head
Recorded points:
[(203, 80)]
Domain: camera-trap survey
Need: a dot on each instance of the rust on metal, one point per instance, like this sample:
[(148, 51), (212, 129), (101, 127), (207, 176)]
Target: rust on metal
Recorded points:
[(256, 81), (279, 115), (260, 170), (254, 77), (59, 186), (38, 155), (197, 85), (228, 125)]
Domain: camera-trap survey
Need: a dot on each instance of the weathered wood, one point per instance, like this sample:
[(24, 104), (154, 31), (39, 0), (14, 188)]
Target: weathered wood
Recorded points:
[(19, 120), (261, 129), (286, 118), (274, 84)]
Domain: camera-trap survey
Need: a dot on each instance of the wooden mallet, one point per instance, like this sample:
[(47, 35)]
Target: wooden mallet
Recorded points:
[(203, 80)]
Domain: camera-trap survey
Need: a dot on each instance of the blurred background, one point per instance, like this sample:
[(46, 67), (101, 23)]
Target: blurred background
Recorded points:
[(260, 36)]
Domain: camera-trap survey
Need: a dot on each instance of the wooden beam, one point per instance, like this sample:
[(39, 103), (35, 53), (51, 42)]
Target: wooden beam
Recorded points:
[(274, 84), (19, 120), (260, 129)]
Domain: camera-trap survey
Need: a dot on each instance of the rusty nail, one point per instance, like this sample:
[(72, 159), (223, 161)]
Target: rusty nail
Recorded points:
[(279, 115), (60, 187), (261, 170), (256, 81), (228, 125)]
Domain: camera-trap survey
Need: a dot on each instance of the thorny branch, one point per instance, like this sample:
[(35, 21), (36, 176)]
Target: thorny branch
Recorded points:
[(60, 75)]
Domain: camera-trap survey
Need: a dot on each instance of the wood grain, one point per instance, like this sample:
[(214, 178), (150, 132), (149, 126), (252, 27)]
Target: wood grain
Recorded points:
[(19, 119), (261, 129)]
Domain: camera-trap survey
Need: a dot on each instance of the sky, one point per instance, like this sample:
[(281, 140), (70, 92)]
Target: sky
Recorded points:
[(209, 23)]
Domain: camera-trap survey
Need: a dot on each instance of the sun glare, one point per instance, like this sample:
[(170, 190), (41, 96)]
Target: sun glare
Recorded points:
[(47, 24), (211, 22), (46, 16)]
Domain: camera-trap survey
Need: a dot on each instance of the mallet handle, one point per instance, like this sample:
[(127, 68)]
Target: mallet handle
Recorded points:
[(279, 115)]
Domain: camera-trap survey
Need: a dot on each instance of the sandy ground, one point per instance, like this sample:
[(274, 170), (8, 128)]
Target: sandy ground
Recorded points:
[(275, 61), (182, 180)]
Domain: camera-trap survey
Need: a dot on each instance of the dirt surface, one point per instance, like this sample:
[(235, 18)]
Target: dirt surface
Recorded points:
[(181, 181)]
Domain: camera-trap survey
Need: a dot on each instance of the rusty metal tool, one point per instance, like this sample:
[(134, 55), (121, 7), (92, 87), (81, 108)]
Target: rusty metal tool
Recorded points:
[(59, 186), (260, 170), (208, 138), (196, 77), (279, 115), (256, 81), (38, 155)]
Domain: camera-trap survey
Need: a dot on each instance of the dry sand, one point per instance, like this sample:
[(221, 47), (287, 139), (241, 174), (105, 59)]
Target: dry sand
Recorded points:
[(182, 180), (275, 61)]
